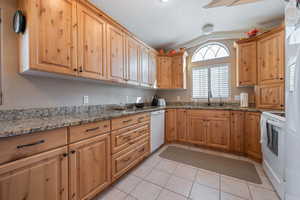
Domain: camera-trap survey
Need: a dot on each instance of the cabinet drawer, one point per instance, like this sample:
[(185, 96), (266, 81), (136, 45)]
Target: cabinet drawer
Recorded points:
[(18, 147), (209, 113), (125, 137), (125, 160), (81, 132), (129, 120)]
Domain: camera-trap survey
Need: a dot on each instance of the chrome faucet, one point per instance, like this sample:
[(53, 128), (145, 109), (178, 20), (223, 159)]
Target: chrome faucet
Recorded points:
[(209, 95)]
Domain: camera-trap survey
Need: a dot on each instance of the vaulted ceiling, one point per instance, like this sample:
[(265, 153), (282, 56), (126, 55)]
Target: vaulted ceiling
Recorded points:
[(179, 21)]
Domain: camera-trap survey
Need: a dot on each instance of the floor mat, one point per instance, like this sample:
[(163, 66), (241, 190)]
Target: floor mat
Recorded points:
[(226, 166)]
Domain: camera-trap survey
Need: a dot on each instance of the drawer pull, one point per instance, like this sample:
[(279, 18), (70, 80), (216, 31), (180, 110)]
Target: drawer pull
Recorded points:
[(127, 138), (126, 160), (126, 121), (92, 129), (32, 144), (141, 118), (105, 126)]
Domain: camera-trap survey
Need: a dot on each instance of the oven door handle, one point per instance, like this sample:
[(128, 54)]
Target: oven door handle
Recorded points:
[(279, 125)]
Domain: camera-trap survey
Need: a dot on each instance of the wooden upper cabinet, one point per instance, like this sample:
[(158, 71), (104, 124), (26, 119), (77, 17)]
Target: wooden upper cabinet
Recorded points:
[(90, 167), (164, 72), (170, 125), (218, 133), (270, 96), (43, 176), (247, 64), (153, 69), (51, 38), (115, 53), (91, 43), (179, 71), (237, 132), (252, 135), (181, 122), (132, 62), (271, 58), (144, 59)]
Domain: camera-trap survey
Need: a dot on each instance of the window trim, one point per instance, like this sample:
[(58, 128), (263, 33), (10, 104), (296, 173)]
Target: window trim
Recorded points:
[(208, 60), (209, 66)]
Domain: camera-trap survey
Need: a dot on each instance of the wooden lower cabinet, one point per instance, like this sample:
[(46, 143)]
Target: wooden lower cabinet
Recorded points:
[(170, 125), (218, 133), (40, 177), (181, 129), (90, 167), (252, 135), (237, 124), (197, 130)]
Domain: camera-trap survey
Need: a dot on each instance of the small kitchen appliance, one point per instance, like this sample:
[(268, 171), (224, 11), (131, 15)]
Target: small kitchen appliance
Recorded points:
[(154, 100), (244, 100), (162, 102)]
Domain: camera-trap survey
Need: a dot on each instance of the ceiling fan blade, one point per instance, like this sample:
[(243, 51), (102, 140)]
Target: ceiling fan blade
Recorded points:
[(218, 3), (240, 2)]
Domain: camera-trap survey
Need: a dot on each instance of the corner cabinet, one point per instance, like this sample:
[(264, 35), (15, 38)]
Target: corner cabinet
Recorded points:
[(246, 64), (43, 176), (261, 64), (50, 42), (172, 71)]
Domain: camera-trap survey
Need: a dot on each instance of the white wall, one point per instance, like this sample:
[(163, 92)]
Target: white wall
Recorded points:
[(21, 91)]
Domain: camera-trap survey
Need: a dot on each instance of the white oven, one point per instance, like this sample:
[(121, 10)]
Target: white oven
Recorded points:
[(272, 139)]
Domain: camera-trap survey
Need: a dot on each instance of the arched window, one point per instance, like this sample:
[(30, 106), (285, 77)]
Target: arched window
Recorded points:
[(211, 79), (210, 51)]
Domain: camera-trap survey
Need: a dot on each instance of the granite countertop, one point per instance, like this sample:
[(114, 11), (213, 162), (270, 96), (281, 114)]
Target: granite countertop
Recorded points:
[(9, 128)]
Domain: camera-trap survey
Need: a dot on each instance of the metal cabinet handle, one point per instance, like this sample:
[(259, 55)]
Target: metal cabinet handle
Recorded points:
[(126, 160), (31, 144), (141, 150), (126, 121), (92, 129)]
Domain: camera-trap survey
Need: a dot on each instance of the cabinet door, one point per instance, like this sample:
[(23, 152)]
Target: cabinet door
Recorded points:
[(252, 135), (152, 69), (271, 59), (40, 177), (218, 133), (53, 36), (90, 167), (91, 43), (270, 96), (171, 125), (133, 70), (237, 132), (116, 54), (177, 72), (247, 64), (144, 66), (181, 122), (197, 129), (164, 77)]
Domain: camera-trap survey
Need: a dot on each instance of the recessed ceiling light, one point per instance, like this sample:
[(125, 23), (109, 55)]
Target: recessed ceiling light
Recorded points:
[(164, 1)]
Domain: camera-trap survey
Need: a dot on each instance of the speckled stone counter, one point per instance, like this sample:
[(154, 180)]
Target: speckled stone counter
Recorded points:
[(29, 121)]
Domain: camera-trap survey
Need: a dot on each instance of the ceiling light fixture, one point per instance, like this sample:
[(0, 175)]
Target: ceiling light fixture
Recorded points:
[(208, 29), (164, 1)]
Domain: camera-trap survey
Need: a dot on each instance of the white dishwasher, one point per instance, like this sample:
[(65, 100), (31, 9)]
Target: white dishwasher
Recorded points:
[(157, 129)]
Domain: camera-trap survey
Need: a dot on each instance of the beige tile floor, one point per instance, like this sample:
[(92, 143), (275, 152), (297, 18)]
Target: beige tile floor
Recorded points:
[(161, 179)]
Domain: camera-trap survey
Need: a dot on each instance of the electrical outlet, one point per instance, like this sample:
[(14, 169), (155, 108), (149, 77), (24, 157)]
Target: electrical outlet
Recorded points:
[(85, 100), (178, 98)]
